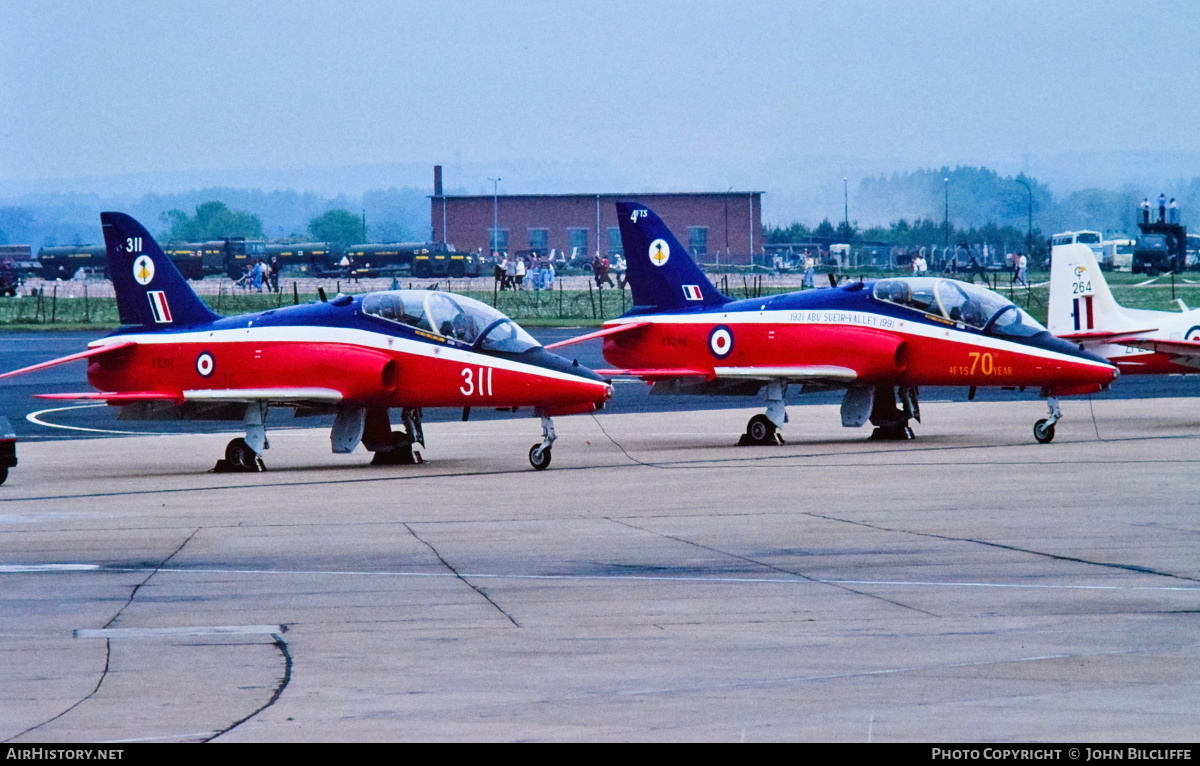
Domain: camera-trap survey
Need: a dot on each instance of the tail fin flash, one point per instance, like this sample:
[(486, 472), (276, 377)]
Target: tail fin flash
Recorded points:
[(150, 290), (1080, 301), (660, 272)]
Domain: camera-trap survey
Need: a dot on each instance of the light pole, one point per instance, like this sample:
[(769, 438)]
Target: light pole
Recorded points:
[(1029, 235), (495, 215), (846, 203), (946, 218)]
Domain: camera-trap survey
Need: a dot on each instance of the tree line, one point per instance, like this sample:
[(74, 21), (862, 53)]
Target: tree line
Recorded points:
[(215, 220), (976, 205)]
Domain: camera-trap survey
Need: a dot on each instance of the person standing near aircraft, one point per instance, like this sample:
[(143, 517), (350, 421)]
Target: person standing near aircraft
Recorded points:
[(1022, 264), (519, 272), (1145, 209), (1162, 208), (256, 275), (810, 270), (510, 272)]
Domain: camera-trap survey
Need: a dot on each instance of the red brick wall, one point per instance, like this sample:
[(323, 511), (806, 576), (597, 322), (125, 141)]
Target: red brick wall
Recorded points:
[(734, 220)]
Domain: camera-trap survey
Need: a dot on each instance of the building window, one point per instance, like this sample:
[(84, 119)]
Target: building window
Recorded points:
[(499, 238), (615, 246), (539, 239), (579, 241), (698, 241)]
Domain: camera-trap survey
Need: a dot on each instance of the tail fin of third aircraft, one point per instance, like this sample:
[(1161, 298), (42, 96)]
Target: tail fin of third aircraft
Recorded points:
[(660, 272), (1080, 301), (150, 290)]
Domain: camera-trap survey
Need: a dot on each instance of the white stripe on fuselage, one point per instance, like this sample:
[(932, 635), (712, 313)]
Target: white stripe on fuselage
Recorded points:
[(867, 319), (343, 335)]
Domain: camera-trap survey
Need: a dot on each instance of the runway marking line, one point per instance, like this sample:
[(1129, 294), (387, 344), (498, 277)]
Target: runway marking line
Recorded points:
[(35, 418), (627, 578), (214, 630)]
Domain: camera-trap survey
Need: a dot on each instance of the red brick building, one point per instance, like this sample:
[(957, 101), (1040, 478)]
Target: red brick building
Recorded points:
[(719, 227)]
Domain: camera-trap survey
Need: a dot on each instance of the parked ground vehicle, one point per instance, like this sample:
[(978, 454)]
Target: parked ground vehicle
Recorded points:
[(64, 262), (10, 281), (438, 260), (1161, 247), (1117, 254), (304, 258)]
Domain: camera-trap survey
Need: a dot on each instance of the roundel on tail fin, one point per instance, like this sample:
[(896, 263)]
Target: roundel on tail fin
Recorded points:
[(143, 269), (660, 252)]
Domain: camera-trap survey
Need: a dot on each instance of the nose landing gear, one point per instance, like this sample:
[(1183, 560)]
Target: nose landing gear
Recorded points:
[(539, 454), (1043, 430)]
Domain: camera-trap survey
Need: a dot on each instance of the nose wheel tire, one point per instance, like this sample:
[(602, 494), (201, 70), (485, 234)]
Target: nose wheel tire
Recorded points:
[(539, 458), (760, 430), (241, 457), (1043, 431)]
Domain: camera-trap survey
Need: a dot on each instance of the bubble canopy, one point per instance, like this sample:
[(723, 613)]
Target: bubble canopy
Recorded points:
[(453, 316), (960, 302)]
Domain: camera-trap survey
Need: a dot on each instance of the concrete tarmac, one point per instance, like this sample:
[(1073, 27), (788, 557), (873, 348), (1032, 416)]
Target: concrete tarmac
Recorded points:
[(656, 584)]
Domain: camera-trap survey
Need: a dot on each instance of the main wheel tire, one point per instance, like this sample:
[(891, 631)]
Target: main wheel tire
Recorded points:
[(760, 430), (242, 457), (3, 474), (1043, 431), (401, 452), (539, 458)]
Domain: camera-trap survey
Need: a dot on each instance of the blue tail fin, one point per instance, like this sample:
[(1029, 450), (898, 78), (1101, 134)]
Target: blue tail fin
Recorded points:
[(659, 270), (150, 290)]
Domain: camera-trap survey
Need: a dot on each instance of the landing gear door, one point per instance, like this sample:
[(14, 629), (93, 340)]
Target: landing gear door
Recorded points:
[(856, 406)]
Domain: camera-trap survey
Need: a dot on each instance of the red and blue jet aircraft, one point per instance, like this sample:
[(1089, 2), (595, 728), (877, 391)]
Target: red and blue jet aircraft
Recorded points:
[(880, 340), (355, 357)]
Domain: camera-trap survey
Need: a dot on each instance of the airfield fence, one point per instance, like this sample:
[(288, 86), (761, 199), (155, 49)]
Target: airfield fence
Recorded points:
[(572, 300)]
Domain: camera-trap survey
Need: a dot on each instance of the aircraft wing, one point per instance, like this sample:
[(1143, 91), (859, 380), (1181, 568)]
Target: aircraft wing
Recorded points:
[(97, 351), (113, 397), (805, 372), (799, 372), (599, 334), (286, 395), (653, 374), (297, 395), (1091, 338), (1189, 349)]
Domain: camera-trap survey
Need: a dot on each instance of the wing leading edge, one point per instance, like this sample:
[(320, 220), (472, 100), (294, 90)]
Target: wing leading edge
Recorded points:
[(804, 373), (319, 396)]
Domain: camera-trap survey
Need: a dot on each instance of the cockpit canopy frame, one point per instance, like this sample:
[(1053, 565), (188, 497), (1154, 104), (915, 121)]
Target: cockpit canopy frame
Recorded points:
[(959, 302), (452, 316)]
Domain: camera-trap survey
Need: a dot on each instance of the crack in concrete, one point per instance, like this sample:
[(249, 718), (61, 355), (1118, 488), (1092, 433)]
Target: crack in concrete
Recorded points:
[(288, 664), (86, 697), (1002, 546), (456, 573), (772, 567)]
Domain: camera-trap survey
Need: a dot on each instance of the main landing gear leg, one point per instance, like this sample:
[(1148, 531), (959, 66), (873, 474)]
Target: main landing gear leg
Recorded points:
[(539, 454), (764, 429), (1043, 430), (891, 422), (245, 455), (399, 447)]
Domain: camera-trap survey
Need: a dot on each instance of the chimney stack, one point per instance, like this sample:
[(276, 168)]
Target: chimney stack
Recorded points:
[(437, 180)]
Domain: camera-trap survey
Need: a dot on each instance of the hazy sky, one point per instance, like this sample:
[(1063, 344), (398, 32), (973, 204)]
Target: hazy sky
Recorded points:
[(89, 87)]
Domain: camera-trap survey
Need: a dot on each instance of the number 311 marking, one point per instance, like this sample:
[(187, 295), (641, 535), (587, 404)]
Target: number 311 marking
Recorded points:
[(476, 384)]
